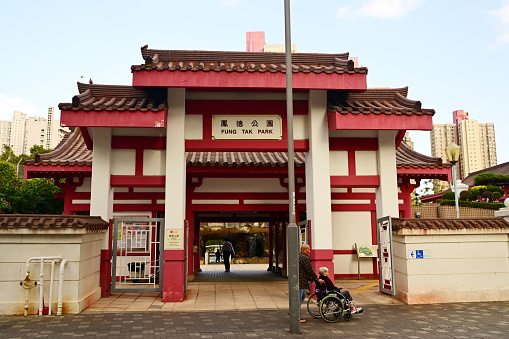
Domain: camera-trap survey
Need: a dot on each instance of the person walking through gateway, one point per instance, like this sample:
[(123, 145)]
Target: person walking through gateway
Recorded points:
[(306, 273), (226, 251), (218, 255)]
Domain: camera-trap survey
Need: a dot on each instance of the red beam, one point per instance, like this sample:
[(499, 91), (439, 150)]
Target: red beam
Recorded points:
[(353, 207), (103, 118), (243, 107), (137, 181), (353, 144), (87, 138), (244, 145), (120, 142), (426, 173), (254, 80), (338, 121), (367, 181)]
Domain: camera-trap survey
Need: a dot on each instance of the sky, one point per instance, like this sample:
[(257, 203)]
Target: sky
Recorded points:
[(453, 55)]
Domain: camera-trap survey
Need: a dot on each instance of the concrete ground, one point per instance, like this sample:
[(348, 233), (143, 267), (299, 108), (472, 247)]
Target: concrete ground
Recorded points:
[(245, 287)]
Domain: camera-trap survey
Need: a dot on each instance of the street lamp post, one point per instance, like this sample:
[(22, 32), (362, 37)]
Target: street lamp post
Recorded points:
[(453, 155), (292, 230)]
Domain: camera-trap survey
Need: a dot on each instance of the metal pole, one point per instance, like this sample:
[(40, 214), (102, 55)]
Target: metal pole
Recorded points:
[(292, 232), (455, 190)]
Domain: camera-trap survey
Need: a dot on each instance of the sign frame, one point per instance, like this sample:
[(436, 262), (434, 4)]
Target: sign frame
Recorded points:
[(237, 131)]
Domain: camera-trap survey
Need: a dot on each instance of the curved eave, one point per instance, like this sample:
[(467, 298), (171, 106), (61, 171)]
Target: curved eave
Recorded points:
[(113, 118), (424, 172), (386, 121), (56, 170), (253, 80)]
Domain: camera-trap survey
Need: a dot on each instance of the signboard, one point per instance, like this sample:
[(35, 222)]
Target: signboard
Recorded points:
[(384, 234), (173, 239), (366, 251), (419, 254), (247, 127)]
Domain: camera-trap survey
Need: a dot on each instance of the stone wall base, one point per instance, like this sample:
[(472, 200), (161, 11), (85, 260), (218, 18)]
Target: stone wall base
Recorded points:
[(438, 297)]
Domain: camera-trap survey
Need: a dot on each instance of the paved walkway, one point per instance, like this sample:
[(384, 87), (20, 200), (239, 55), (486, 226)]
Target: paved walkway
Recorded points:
[(473, 320), (246, 306), (245, 287)]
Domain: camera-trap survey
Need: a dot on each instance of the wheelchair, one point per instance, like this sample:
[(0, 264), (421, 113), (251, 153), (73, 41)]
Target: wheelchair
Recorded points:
[(328, 305)]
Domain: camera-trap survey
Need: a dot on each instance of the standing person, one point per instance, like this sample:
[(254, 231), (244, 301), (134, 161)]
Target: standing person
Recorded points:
[(306, 273), (218, 255), (226, 251)]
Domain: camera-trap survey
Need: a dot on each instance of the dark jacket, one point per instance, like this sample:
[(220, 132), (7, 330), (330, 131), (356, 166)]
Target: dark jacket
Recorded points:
[(328, 283), (306, 272)]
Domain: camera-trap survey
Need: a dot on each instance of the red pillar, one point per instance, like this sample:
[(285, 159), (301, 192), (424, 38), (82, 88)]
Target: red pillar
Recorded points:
[(105, 267), (173, 275), (270, 239), (406, 195)]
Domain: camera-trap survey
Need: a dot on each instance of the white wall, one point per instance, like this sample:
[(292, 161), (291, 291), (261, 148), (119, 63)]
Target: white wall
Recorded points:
[(464, 266), (194, 127), (123, 162), (81, 277), (338, 163), (154, 162), (348, 228)]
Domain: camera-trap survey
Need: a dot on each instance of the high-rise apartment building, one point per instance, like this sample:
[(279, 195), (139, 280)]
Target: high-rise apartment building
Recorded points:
[(408, 141), (477, 142), (21, 133)]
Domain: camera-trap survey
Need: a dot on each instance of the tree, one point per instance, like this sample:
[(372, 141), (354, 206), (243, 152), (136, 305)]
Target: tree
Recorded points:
[(7, 154), (38, 149), (27, 196)]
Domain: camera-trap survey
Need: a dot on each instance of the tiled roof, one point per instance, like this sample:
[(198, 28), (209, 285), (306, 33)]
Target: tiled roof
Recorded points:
[(71, 151), (242, 159), (448, 224), (502, 169), (408, 158), (376, 101), (216, 61), (44, 222), (116, 98)]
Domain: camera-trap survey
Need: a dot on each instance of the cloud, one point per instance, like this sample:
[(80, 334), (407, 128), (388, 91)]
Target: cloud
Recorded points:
[(502, 16), (9, 105), (381, 9)]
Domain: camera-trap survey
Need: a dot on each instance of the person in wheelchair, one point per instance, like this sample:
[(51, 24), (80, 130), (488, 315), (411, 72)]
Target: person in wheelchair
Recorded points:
[(329, 285)]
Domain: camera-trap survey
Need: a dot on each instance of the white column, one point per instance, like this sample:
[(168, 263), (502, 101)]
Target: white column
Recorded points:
[(101, 197), (387, 192), (175, 186), (318, 193)]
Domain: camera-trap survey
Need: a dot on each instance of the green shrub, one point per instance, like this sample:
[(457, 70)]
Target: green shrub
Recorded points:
[(448, 196), (491, 179), (474, 204), (487, 195), (496, 195), (495, 189), (475, 193), (465, 196)]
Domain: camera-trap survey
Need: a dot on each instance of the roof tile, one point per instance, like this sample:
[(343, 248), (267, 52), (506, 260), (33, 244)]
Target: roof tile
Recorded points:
[(175, 60)]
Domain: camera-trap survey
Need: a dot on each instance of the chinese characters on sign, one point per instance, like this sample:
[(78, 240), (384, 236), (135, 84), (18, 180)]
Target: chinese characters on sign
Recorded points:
[(173, 239), (247, 127)]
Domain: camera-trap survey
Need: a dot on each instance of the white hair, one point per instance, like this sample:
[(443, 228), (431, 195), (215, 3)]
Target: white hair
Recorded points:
[(323, 270)]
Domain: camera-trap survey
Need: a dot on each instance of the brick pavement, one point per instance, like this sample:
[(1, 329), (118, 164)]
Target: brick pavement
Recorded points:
[(460, 320)]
